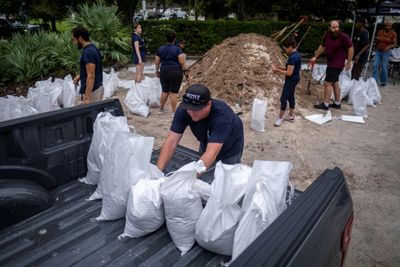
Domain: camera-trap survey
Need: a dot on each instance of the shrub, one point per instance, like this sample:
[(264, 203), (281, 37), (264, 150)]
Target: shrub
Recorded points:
[(106, 31)]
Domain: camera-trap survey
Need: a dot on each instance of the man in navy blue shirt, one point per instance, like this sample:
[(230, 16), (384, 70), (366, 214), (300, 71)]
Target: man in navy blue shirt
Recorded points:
[(218, 129), (91, 67)]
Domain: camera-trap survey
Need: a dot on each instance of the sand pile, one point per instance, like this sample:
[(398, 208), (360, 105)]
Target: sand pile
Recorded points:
[(239, 69)]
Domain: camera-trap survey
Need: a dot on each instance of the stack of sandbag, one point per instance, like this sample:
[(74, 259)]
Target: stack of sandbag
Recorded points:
[(104, 128), (216, 226), (264, 201), (13, 107), (144, 95), (182, 205), (48, 95), (126, 163), (145, 210)]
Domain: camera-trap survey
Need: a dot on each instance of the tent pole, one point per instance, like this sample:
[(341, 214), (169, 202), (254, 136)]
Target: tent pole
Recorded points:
[(370, 47), (352, 28)]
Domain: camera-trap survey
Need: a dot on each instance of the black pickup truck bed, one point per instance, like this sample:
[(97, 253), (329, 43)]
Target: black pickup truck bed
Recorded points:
[(309, 233)]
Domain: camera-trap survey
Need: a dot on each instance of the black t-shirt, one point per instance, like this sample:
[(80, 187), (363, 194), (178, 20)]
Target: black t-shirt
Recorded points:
[(221, 126), (90, 54), (168, 55), (361, 39)]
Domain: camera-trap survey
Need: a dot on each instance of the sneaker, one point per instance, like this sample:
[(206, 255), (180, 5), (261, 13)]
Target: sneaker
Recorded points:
[(278, 122), (334, 105), (321, 106), (289, 118), (162, 111), (383, 84)]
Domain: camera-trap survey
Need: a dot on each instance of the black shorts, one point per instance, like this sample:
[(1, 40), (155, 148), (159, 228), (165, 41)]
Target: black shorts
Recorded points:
[(171, 80), (332, 74)]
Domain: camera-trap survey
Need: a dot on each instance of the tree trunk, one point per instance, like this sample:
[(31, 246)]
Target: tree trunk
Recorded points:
[(53, 24), (127, 9)]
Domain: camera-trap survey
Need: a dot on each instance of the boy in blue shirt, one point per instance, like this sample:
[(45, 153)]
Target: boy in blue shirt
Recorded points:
[(292, 78)]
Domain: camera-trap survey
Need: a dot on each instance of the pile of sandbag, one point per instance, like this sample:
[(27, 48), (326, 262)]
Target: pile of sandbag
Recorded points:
[(361, 93), (48, 95), (12, 107), (144, 95)]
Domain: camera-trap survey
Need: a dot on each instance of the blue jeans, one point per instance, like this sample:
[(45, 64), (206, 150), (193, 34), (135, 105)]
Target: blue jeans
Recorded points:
[(381, 59)]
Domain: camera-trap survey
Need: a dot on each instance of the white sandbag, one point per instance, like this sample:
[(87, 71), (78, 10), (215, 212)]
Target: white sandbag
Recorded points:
[(258, 111), (264, 201), (154, 91), (359, 99), (125, 84), (318, 72), (104, 128), (203, 188), (129, 162), (13, 107), (182, 205), (45, 97), (216, 226), (110, 83), (373, 91), (136, 100), (68, 92), (145, 210), (345, 84)]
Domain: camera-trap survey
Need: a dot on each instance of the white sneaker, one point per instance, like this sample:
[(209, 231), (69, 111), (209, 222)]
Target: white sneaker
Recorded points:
[(278, 122), (289, 118), (162, 111)]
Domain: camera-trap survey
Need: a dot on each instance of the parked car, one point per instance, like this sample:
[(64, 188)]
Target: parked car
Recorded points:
[(8, 28), (46, 221)]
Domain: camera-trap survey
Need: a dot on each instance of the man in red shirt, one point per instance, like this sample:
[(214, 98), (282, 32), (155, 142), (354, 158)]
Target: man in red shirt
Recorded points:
[(386, 39), (338, 47)]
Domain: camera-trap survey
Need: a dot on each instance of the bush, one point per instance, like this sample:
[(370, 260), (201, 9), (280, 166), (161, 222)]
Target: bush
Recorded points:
[(106, 31), (200, 36)]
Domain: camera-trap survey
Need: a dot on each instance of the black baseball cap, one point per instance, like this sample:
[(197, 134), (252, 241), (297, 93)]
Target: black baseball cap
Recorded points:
[(196, 97)]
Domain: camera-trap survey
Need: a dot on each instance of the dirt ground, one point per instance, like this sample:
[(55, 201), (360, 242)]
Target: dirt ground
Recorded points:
[(368, 154)]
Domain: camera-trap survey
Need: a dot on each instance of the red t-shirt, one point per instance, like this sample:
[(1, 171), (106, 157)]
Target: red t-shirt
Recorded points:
[(385, 39), (336, 49)]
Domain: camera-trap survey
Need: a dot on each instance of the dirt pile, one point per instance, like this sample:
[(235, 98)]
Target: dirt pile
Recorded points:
[(239, 69)]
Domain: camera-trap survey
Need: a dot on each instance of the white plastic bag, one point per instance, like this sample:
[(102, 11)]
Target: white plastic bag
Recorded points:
[(216, 226), (136, 100), (345, 84), (359, 99), (110, 83), (68, 92), (129, 162), (373, 91), (258, 111), (182, 205), (104, 128), (154, 91), (145, 210), (264, 201), (46, 96)]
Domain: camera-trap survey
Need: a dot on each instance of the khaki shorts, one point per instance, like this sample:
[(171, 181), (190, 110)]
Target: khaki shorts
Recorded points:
[(94, 96)]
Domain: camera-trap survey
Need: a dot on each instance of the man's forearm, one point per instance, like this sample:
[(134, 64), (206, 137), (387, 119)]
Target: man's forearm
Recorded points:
[(350, 54), (89, 86), (165, 155)]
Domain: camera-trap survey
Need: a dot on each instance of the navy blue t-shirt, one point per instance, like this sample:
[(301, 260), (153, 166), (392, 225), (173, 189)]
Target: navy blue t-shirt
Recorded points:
[(90, 54), (221, 126), (168, 55), (138, 38), (295, 60)]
